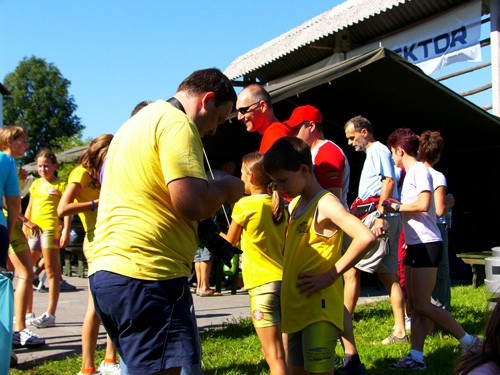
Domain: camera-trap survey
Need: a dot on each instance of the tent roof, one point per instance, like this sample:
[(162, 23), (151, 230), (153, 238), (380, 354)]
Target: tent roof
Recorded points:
[(349, 25), (69, 156)]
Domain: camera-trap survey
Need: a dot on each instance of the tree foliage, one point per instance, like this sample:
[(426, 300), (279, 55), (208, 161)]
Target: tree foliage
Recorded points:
[(40, 102)]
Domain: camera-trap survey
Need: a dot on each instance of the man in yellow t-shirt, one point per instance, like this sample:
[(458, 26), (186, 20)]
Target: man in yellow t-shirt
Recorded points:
[(154, 192)]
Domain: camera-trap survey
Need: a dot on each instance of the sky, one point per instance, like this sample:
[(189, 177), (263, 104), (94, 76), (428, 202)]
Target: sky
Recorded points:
[(117, 53)]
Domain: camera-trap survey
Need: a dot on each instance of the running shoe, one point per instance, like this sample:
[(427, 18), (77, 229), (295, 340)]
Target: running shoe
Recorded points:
[(475, 347), (66, 287), (44, 321), (109, 368), (29, 317), (351, 369), (27, 339), (408, 363)]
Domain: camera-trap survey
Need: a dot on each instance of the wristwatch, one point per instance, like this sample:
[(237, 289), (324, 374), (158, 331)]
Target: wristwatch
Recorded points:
[(378, 214)]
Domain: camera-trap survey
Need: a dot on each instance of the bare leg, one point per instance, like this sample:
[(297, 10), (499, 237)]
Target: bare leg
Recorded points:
[(90, 332), (21, 262), (203, 276), (391, 283), (53, 271), (272, 349), (352, 290), (420, 283)]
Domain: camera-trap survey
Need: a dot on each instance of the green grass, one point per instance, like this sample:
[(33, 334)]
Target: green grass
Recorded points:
[(235, 349)]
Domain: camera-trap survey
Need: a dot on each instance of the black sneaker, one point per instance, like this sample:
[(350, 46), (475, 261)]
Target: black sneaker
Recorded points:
[(408, 363), (351, 369)]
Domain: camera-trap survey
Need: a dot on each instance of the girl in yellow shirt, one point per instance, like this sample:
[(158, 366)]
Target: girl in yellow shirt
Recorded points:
[(259, 220), (45, 194), (82, 197)]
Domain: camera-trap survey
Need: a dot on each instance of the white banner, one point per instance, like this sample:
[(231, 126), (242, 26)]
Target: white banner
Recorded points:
[(443, 40)]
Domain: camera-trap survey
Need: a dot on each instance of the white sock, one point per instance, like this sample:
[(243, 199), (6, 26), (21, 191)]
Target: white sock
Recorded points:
[(467, 339), (417, 355)]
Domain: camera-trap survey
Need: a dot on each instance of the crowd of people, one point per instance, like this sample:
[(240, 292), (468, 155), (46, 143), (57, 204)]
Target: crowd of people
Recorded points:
[(141, 193)]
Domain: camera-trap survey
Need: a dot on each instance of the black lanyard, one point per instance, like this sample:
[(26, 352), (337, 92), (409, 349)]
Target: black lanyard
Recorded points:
[(176, 103)]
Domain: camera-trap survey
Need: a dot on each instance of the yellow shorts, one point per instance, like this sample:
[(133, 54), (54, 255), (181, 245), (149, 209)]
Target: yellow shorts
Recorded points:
[(314, 347), (49, 239), (18, 242), (265, 305)]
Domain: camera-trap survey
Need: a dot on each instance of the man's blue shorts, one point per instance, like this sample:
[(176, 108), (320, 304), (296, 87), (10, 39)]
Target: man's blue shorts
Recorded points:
[(151, 323)]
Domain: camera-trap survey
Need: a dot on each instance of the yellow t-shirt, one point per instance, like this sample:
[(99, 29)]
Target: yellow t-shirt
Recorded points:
[(138, 233), (262, 241), (45, 197), (88, 193), (308, 251)]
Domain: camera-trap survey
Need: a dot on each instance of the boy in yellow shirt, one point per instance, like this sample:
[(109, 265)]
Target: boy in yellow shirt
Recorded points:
[(312, 291)]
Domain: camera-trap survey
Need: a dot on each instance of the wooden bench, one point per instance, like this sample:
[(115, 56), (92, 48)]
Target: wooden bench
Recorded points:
[(476, 260), (69, 253)]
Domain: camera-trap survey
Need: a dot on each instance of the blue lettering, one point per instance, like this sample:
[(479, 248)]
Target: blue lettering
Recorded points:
[(424, 44), (408, 51), (440, 50), (459, 35), (428, 48)]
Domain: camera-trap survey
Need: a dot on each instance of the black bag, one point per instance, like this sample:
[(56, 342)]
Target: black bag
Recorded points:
[(362, 210)]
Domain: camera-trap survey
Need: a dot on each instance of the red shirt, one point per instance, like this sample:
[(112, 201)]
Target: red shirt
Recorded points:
[(272, 133)]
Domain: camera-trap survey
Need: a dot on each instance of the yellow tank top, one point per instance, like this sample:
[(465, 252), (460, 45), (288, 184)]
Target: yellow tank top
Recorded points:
[(308, 251)]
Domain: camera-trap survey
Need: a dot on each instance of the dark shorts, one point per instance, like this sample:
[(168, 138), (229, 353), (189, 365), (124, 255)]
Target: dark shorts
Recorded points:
[(203, 255), (151, 323), (4, 245), (424, 255)]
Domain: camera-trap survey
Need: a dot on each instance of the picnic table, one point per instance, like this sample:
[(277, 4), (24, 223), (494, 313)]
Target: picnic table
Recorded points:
[(477, 262)]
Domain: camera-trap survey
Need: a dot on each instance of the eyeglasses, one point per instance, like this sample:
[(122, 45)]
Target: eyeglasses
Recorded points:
[(244, 110)]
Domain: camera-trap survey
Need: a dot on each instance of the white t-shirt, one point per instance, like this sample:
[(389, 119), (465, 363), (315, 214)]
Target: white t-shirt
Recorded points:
[(419, 227)]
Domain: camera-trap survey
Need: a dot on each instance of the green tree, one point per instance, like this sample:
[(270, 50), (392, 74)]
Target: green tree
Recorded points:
[(40, 102)]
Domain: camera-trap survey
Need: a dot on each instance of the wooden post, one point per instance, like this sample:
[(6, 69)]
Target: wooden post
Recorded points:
[(495, 54)]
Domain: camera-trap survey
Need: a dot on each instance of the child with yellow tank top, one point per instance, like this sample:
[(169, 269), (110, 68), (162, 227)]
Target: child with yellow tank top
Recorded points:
[(45, 194), (259, 221), (312, 287)]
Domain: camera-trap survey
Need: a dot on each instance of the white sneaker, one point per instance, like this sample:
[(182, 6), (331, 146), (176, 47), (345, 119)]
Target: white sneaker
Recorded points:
[(109, 368), (94, 373), (29, 317), (475, 347), (26, 338), (407, 323), (44, 321)]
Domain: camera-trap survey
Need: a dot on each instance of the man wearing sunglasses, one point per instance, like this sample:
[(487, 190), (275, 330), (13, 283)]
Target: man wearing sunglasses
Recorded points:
[(255, 110)]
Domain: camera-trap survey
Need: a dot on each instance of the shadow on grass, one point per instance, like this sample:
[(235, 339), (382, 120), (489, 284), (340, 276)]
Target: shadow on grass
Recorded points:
[(241, 368)]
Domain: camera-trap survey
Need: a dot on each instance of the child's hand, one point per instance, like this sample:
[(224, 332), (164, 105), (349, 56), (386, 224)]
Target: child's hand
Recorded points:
[(34, 230), (22, 173), (310, 283)]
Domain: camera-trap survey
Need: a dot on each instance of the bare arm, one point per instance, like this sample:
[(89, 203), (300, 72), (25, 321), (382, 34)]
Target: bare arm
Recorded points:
[(422, 204), (440, 200), (68, 206), (233, 234), (337, 191), (196, 199), (64, 241)]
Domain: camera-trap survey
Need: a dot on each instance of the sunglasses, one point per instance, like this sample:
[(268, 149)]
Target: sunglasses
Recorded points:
[(246, 109)]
